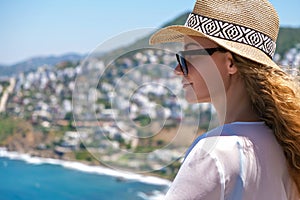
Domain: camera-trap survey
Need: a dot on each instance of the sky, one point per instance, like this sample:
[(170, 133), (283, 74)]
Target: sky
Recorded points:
[(30, 28)]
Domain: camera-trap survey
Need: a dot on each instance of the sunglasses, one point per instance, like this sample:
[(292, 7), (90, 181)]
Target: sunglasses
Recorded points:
[(182, 61)]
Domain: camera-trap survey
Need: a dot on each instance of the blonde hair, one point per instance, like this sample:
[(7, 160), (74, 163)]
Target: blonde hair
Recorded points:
[(275, 97)]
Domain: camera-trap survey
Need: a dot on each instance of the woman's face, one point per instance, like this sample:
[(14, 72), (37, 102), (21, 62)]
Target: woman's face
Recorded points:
[(207, 75)]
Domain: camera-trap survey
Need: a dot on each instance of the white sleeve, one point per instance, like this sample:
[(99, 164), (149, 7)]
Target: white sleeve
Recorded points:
[(200, 177)]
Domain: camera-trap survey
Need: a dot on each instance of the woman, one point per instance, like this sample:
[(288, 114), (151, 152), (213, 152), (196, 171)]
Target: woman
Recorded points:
[(255, 154)]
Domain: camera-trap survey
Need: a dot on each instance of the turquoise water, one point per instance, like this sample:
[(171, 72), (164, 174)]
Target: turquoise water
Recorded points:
[(21, 180)]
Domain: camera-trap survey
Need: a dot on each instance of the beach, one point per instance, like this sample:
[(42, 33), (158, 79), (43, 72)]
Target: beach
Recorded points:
[(116, 177)]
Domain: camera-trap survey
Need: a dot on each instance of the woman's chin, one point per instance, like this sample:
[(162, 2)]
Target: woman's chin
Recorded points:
[(194, 99), (193, 95)]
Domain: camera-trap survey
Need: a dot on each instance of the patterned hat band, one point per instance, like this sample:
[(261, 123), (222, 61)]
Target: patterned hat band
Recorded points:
[(232, 32)]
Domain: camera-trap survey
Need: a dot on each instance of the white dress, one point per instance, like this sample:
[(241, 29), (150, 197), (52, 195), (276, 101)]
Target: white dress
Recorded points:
[(241, 160)]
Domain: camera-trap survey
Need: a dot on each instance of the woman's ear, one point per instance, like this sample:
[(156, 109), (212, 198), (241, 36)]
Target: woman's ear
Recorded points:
[(231, 67)]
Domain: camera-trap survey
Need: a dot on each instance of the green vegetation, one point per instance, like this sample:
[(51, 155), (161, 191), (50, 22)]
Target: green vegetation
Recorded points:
[(7, 128), (170, 171), (10, 126), (144, 120), (84, 155), (287, 38), (145, 149), (105, 102), (5, 84), (66, 64)]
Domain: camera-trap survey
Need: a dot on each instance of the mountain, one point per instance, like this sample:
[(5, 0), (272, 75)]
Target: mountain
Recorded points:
[(142, 42), (35, 62), (288, 37)]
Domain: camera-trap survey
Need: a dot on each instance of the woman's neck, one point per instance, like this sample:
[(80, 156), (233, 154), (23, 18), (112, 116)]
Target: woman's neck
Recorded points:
[(237, 106)]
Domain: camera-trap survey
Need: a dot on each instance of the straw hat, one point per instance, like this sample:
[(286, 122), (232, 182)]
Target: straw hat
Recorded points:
[(248, 28)]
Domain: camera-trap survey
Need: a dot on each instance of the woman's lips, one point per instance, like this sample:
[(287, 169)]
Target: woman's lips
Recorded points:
[(184, 85)]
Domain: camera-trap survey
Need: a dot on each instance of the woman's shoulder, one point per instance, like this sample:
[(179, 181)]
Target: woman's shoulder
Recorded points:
[(222, 146), (235, 137), (232, 139), (225, 144)]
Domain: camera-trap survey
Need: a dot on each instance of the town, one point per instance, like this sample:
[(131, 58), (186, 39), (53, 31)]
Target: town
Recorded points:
[(129, 113)]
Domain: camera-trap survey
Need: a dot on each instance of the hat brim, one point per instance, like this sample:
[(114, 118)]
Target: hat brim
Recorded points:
[(176, 33)]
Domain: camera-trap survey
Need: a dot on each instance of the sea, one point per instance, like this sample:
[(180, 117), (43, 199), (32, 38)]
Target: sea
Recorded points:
[(24, 177)]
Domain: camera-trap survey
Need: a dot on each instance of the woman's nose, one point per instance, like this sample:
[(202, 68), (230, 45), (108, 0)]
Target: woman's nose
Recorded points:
[(178, 71)]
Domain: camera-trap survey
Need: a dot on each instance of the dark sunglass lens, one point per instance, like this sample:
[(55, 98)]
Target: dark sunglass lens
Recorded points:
[(182, 64)]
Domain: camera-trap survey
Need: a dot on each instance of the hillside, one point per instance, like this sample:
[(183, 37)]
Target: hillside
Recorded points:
[(287, 37), (35, 62)]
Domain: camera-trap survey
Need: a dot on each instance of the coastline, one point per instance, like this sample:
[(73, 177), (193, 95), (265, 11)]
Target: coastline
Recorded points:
[(99, 170)]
